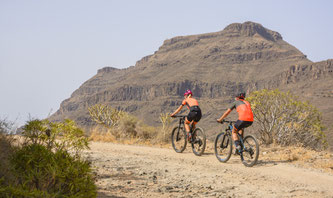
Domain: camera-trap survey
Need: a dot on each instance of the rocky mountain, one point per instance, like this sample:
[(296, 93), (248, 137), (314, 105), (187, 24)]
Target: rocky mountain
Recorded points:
[(215, 66)]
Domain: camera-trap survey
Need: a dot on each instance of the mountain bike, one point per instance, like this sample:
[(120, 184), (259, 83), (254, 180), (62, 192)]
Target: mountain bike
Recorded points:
[(249, 152), (179, 137)]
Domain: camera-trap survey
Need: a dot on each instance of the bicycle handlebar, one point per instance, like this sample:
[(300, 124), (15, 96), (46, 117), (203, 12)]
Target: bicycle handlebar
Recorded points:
[(179, 116), (227, 121)]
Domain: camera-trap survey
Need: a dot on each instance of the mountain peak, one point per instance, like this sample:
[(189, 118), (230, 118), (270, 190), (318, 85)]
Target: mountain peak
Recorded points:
[(107, 69), (250, 29)]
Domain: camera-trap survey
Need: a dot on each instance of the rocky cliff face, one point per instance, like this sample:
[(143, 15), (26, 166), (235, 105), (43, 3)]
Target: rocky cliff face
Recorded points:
[(215, 66)]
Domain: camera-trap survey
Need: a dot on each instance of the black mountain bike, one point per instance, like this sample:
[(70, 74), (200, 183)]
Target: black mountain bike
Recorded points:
[(179, 138), (249, 152)]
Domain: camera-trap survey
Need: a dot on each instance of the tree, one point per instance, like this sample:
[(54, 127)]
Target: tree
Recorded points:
[(105, 115), (286, 120), (6, 127)]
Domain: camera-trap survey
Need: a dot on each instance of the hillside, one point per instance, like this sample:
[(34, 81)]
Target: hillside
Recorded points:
[(215, 66)]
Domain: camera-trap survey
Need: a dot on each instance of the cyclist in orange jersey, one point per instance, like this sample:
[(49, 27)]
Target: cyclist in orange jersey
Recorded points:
[(245, 117), (194, 115)]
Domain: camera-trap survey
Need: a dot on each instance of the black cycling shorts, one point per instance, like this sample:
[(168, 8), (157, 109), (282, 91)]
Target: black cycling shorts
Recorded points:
[(240, 124), (195, 114)]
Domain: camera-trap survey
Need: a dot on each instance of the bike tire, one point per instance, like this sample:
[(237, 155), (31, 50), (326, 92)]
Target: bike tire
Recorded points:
[(223, 147), (178, 139), (250, 152), (198, 141)]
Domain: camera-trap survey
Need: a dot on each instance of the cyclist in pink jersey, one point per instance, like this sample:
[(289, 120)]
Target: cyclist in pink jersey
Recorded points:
[(194, 115)]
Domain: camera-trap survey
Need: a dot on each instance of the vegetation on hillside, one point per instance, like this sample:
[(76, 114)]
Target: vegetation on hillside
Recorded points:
[(282, 119), (119, 126), (285, 120), (48, 163)]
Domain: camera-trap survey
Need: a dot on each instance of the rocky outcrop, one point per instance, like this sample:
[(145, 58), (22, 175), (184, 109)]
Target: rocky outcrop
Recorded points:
[(250, 29)]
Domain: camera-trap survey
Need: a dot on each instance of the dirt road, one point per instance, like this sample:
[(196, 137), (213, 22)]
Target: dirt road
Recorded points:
[(140, 171)]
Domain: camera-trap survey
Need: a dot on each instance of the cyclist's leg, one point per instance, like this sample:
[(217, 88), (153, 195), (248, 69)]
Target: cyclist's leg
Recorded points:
[(234, 134), (237, 127), (241, 132), (196, 119), (240, 126), (244, 125), (193, 124), (189, 120), (187, 125)]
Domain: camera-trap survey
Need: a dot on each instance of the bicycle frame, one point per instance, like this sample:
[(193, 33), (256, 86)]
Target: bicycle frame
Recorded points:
[(198, 142), (182, 122), (227, 142), (228, 131)]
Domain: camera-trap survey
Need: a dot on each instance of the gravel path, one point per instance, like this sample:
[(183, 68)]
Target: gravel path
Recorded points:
[(140, 171)]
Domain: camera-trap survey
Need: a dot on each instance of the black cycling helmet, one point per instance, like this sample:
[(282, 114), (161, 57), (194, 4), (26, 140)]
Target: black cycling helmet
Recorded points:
[(241, 95)]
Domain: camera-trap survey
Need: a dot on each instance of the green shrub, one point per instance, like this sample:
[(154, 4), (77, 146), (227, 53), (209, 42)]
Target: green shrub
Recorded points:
[(6, 148), (49, 163), (57, 173), (44, 132), (285, 120)]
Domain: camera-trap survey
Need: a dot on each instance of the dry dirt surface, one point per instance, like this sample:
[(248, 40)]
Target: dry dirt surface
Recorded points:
[(141, 171)]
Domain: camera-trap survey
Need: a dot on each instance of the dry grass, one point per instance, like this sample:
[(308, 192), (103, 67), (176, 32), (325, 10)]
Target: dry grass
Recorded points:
[(303, 157), (101, 134), (147, 135)]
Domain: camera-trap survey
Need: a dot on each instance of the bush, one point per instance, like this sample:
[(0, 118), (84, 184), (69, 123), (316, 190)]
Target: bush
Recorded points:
[(44, 167), (43, 132), (122, 125), (105, 115), (56, 173), (6, 148), (285, 120), (146, 132)]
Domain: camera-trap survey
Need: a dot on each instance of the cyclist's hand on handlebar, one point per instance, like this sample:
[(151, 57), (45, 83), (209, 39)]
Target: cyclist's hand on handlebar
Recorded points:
[(220, 121), (172, 115)]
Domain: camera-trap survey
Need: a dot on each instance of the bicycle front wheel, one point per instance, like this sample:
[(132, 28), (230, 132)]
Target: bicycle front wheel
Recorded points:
[(250, 151), (198, 141), (223, 147), (178, 139)]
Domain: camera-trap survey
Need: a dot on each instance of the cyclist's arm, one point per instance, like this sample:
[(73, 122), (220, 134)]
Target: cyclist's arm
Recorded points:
[(226, 113), (177, 111)]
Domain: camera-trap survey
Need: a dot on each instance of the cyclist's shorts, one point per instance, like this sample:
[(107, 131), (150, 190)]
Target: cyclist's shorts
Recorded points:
[(195, 114), (240, 124)]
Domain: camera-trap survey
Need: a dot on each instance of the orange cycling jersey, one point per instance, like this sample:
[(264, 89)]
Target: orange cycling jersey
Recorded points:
[(244, 110), (189, 102)]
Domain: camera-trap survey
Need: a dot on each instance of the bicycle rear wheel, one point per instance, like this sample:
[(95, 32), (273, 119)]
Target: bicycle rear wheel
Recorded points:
[(178, 139), (250, 151), (223, 147), (198, 141)]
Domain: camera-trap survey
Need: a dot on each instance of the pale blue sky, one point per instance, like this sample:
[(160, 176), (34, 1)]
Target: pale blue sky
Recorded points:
[(49, 48)]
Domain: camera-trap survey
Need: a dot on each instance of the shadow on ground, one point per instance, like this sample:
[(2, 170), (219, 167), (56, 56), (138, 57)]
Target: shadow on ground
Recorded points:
[(271, 162)]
